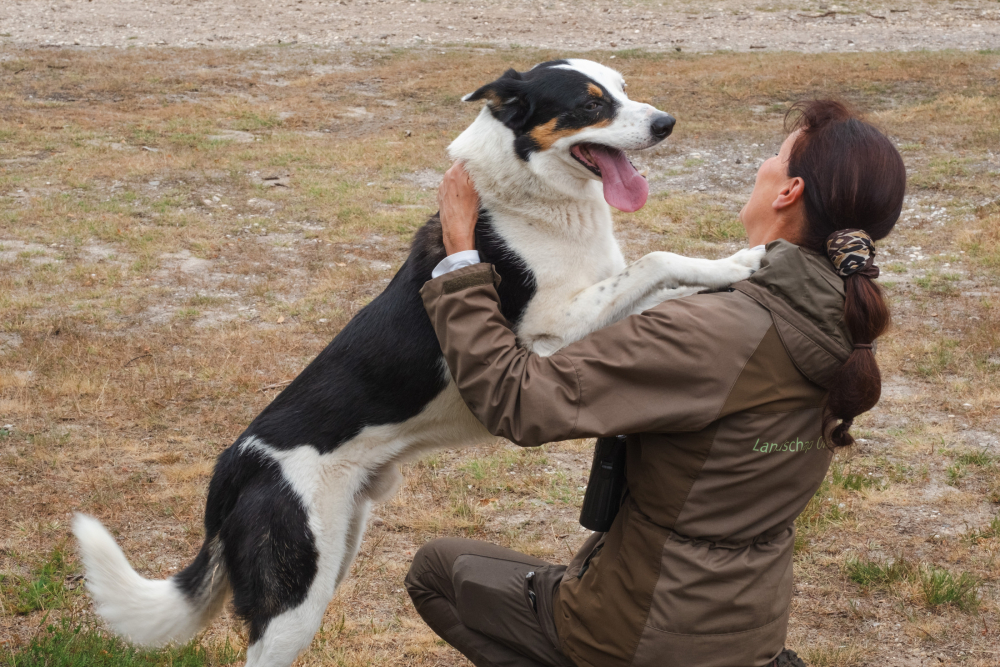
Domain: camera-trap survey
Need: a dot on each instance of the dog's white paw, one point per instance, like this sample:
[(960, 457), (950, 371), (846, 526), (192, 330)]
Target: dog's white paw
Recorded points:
[(750, 257), (728, 271)]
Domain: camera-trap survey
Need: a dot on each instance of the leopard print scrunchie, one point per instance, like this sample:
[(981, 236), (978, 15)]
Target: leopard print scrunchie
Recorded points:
[(852, 251)]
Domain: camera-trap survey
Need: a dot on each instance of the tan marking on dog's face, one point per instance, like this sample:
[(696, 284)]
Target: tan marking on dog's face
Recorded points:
[(547, 134), (595, 90)]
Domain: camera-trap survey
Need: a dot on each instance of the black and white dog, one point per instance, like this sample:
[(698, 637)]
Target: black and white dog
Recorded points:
[(289, 500)]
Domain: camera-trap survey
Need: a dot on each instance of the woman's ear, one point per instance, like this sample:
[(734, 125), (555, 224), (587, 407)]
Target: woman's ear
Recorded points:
[(790, 194)]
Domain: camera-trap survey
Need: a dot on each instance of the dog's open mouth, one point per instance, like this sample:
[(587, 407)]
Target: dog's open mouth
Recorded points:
[(624, 187)]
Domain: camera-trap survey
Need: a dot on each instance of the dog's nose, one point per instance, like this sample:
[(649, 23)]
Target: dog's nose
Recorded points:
[(662, 126)]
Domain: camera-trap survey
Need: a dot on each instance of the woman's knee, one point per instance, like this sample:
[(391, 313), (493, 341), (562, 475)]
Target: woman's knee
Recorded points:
[(431, 569)]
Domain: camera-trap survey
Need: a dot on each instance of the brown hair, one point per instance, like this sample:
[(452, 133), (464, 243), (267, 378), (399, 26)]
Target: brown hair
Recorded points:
[(854, 179)]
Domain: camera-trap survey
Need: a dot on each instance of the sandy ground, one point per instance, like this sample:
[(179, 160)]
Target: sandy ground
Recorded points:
[(586, 24)]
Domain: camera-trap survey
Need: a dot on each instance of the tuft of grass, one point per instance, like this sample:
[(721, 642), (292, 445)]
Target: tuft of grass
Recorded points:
[(44, 590), (833, 656), (979, 458), (717, 226), (77, 645), (852, 481), (879, 574), (941, 587), (820, 513), (940, 356), (955, 473), (990, 532), (941, 284)]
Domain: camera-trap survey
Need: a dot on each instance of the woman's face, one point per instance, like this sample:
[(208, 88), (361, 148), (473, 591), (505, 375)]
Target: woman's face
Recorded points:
[(760, 213)]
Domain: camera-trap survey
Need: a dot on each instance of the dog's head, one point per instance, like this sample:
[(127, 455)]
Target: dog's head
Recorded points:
[(571, 119)]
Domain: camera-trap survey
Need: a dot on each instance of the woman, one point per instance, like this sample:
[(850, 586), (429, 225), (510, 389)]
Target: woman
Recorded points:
[(733, 401)]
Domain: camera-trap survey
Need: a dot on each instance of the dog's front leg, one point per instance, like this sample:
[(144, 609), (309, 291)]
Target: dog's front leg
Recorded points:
[(642, 284), (661, 295)]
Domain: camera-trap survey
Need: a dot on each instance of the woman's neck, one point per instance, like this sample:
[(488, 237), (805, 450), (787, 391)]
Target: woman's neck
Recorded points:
[(780, 227)]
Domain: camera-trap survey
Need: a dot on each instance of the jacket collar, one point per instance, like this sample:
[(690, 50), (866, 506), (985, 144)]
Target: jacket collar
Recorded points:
[(806, 300)]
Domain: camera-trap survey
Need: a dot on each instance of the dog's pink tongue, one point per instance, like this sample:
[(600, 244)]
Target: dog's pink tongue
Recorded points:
[(624, 187)]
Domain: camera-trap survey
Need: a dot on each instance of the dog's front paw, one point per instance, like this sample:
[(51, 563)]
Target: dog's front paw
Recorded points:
[(728, 271), (750, 257)]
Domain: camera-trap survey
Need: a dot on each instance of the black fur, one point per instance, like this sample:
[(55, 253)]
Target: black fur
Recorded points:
[(525, 100), (270, 553), (194, 579), (517, 282), (385, 365), (382, 368)]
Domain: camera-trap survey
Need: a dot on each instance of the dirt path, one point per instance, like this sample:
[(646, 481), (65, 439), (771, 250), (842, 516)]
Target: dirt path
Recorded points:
[(585, 24)]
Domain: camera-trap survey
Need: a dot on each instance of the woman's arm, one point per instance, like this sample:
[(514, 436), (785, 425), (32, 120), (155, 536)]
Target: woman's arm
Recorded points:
[(668, 369)]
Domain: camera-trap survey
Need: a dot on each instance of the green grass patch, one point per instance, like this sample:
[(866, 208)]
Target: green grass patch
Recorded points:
[(76, 645), (879, 574), (44, 590), (820, 513), (976, 458), (939, 357), (939, 283), (941, 587), (853, 481), (955, 473), (937, 586)]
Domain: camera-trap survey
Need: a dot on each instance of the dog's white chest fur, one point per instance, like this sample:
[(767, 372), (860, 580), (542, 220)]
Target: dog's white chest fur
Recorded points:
[(582, 252)]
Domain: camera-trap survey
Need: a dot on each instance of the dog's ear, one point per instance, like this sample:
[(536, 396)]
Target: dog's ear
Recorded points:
[(506, 98)]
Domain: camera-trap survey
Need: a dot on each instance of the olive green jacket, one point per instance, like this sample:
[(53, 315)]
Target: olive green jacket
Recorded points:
[(722, 396)]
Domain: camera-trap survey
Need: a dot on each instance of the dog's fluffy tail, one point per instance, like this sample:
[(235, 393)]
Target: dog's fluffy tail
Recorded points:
[(150, 612)]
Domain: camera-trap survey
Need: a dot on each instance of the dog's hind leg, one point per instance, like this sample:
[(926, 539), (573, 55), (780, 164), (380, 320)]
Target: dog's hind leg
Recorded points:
[(282, 637), (283, 615), (284, 542)]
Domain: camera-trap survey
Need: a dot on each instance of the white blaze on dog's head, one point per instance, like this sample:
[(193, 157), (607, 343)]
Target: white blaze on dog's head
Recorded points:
[(571, 122)]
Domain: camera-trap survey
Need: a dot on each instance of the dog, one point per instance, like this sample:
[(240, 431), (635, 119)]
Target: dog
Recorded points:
[(289, 499)]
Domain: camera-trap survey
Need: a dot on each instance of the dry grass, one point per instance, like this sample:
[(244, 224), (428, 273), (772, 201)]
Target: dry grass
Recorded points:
[(160, 279)]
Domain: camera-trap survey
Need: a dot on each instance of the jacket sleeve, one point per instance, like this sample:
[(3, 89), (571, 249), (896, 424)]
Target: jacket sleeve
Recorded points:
[(668, 369)]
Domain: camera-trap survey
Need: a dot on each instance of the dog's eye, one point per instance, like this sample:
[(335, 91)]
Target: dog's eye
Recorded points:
[(592, 105)]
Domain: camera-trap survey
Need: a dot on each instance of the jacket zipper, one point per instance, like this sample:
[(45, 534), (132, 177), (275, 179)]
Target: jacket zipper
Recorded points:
[(590, 557)]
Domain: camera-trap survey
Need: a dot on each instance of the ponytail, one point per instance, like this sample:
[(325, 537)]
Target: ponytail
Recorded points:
[(857, 386), (854, 185)]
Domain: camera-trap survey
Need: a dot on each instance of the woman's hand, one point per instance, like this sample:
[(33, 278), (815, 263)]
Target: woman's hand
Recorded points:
[(459, 206)]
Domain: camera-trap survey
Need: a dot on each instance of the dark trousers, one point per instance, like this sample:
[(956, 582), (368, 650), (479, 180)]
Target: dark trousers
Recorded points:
[(492, 604)]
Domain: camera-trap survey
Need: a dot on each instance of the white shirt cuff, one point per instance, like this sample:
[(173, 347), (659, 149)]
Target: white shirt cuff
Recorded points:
[(459, 260)]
